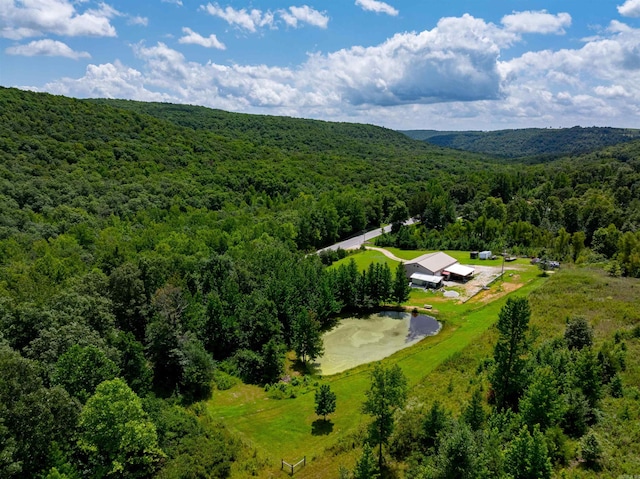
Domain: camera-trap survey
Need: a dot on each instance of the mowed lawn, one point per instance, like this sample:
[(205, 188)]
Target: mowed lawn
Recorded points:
[(284, 429), (364, 258)]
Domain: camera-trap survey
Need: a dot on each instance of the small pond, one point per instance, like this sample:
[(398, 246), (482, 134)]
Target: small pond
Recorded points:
[(364, 339)]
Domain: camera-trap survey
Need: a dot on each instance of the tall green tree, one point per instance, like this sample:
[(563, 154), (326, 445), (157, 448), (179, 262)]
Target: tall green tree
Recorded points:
[(542, 404), (385, 283), (458, 456), (81, 369), (436, 420), (473, 414), (401, 288), (386, 394), (325, 400), (307, 338), (588, 376), (32, 417), (116, 434), (508, 375), (398, 215)]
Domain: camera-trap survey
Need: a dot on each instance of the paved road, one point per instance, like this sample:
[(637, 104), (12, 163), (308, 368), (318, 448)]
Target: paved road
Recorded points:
[(356, 241)]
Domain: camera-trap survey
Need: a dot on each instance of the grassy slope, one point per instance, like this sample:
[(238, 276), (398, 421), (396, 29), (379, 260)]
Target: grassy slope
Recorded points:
[(282, 429), (610, 304)]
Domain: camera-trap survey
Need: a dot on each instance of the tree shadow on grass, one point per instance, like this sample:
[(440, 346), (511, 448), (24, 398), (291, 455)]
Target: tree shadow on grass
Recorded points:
[(306, 368), (321, 427)]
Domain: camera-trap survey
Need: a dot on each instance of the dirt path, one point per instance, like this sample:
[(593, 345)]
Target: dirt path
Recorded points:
[(388, 254)]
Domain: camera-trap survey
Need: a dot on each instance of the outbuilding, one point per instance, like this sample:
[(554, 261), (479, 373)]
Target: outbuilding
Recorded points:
[(426, 280), (458, 272), (484, 254)]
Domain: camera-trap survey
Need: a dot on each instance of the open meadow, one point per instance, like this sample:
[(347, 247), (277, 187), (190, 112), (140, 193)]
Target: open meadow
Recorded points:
[(446, 367), (288, 428)]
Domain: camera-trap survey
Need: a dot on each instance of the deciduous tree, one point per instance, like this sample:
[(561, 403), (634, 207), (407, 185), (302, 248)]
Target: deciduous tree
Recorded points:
[(117, 435), (527, 456), (325, 401), (307, 340), (387, 393)]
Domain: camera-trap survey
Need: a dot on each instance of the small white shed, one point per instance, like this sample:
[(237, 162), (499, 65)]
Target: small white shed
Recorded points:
[(484, 254), (426, 280)]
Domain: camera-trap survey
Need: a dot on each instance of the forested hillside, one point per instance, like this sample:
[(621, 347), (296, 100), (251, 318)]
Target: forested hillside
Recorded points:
[(537, 144), (150, 251)]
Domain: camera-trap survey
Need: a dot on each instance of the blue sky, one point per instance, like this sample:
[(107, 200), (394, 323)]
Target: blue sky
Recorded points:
[(447, 64)]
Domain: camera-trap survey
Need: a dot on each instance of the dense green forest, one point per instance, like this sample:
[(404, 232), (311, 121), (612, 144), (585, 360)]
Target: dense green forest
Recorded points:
[(536, 144), (150, 251)]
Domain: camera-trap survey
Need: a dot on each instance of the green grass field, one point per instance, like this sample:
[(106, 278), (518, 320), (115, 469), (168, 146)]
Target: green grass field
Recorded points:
[(610, 304), (364, 258), (284, 428)]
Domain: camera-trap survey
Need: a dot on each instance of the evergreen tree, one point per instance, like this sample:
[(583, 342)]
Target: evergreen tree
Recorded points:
[(577, 413), (373, 282), (615, 388), (385, 283), (507, 377), (474, 414), (386, 394), (591, 451), (457, 455), (366, 465), (401, 288), (325, 401), (588, 377), (578, 334), (435, 421)]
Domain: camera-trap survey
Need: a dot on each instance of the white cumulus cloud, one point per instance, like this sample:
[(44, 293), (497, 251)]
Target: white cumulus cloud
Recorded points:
[(455, 61), (110, 80), (449, 75), (175, 2), (254, 19), (196, 39), (49, 48), (630, 8), (304, 14), (33, 18), (377, 6), (537, 22), (138, 20), (249, 20)]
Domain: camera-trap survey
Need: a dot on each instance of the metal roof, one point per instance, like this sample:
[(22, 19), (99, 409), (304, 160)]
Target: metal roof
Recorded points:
[(460, 270), (434, 261), (427, 278)]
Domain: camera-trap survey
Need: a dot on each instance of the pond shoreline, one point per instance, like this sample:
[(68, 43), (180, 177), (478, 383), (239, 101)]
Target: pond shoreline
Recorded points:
[(370, 337)]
